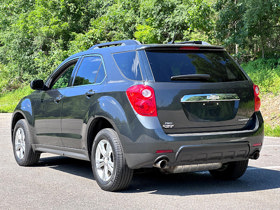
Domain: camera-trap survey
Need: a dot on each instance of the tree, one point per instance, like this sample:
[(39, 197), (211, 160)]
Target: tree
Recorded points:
[(252, 24)]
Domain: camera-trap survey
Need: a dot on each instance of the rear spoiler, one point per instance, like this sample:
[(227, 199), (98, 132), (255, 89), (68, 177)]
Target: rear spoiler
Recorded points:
[(179, 46)]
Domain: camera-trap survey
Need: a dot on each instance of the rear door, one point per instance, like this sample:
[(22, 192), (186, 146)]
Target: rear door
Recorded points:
[(200, 90)]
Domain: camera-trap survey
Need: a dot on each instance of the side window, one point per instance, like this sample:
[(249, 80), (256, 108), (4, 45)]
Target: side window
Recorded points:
[(101, 74), (90, 71), (128, 63), (64, 78)]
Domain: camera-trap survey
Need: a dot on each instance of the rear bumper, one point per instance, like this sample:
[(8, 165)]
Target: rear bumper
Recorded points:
[(194, 148)]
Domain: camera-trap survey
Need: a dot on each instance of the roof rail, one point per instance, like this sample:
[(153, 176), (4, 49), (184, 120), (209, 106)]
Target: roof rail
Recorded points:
[(116, 43), (193, 42)]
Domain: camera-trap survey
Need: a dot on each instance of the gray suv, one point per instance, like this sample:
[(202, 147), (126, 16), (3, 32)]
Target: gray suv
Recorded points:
[(122, 106)]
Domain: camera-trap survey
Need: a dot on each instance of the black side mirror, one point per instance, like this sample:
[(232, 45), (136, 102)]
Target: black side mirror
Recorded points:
[(37, 84)]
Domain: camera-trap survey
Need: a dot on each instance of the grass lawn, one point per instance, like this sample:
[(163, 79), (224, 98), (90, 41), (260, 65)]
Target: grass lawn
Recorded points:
[(9, 100)]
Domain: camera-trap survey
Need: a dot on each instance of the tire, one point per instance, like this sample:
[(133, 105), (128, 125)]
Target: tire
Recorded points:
[(22, 138), (108, 162), (230, 171)]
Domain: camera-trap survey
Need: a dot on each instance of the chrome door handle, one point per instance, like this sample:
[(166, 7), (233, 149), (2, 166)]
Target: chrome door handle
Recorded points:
[(90, 93)]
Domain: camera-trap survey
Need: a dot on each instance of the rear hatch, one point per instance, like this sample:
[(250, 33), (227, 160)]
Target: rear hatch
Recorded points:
[(200, 89)]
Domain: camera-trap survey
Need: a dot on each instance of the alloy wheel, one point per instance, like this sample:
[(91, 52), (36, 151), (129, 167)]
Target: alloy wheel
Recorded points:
[(20, 143), (104, 160)]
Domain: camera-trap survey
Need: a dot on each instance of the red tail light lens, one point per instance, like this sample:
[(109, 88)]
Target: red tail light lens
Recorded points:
[(257, 98), (143, 100)]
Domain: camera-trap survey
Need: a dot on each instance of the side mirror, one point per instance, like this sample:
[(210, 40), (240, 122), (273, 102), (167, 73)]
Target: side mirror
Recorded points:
[(37, 84)]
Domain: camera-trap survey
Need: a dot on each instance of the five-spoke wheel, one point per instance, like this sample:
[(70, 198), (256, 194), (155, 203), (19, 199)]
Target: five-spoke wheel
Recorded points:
[(104, 160), (108, 162), (20, 143), (22, 139)]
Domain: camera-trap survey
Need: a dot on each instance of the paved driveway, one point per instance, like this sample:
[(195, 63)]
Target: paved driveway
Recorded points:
[(65, 183)]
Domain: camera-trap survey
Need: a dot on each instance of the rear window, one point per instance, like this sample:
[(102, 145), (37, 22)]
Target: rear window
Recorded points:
[(219, 65), (128, 63)]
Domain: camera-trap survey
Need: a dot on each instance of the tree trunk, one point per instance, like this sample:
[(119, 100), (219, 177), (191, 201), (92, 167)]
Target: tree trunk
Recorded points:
[(262, 47)]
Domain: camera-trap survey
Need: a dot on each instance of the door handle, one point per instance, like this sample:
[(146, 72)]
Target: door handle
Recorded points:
[(90, 93), (58, 98)]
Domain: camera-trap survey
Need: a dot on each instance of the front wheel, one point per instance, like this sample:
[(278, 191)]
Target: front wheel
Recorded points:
[(108, 162), (230, 171), (22, 138)]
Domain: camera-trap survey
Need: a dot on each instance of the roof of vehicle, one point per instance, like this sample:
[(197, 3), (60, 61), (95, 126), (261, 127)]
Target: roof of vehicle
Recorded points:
[(128, 45)]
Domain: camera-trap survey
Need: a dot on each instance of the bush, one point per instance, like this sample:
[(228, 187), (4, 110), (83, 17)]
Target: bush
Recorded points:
[(265, 73)]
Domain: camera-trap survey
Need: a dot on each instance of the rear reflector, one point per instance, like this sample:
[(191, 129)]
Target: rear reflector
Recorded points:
[(189, 48), (257, 144), (164, 151), (257, 98)]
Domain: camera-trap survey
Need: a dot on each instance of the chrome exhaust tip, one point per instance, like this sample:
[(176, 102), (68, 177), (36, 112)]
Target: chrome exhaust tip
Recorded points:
[(255, 155), (162, 163)]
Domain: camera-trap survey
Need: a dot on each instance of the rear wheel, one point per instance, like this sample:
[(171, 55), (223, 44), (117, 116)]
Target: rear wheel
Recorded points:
[(108, 162), (230, 171), (22, 138)]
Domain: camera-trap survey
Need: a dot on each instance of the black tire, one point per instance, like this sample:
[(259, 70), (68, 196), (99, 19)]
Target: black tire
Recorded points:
[(121, 175), (230, 171), (29, 157)]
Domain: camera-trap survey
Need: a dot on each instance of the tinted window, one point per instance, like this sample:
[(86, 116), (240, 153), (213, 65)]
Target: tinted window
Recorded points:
[(64, 79), (218, 65), (89, 70), (128, 63), (100, 75)]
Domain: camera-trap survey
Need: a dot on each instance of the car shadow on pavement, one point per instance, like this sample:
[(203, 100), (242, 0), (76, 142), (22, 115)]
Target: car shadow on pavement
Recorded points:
[(68, 165), (201, 183), (197, 183)]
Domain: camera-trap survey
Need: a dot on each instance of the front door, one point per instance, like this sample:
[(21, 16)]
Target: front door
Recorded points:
[(48, 116)]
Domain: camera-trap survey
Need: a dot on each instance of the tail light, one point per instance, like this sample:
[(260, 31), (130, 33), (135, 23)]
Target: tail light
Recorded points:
[(257, 98), (142, 98)]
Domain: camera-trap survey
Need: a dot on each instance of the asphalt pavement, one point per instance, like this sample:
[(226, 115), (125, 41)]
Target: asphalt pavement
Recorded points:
[(64, 183)]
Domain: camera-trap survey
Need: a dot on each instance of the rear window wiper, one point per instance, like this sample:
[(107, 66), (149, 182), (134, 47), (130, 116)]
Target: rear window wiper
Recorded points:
[(191, 77)]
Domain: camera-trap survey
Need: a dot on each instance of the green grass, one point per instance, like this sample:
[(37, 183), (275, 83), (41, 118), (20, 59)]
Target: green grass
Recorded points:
[(269, 131), (9, 100), (265, 73)]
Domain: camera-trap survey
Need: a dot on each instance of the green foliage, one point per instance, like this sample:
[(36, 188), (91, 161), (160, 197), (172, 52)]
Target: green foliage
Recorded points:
[(270, 131), (265, 73), (9, 100), (249, 28), (145, 34), (36, 35), (167, 17)]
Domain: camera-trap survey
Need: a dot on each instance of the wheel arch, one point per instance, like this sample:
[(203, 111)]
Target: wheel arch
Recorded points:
[(16, 117), (107, 112), (96, 125)]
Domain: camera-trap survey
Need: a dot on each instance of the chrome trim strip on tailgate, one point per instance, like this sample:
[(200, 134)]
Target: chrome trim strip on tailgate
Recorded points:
[(210, 98)]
